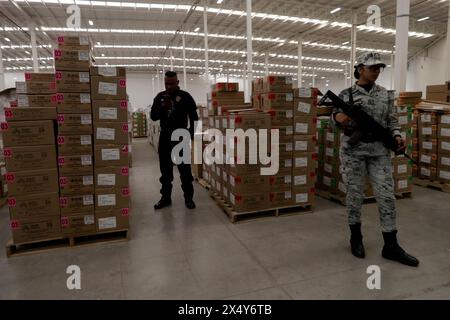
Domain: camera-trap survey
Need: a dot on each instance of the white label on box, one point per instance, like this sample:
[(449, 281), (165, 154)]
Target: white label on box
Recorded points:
[(217, 123), (444, 174), (86, 119), (301, 128), (86, 140), (289, 130), (403, 134), (107, 223), (287, 179), (107, 71), (445, 161), (445, 145), (107, 113), (330, 136), (22, 101), (106, 134), (288, 146), (304, 107), (402, 168), (305, 92), (402, 120), (301, 197), (88, 180), (425, 117), (3, 171), (288, 195), (232, 181), (110, 154), (224, 123), (205, 113), (83, 55), (288, 163), (21, 87), (86, 160), (224, 176), (300, 180), (445, 119), (425, 158), (425, 171), (403, 184), (427, 131), (89, 219), (329, 152), (232, 200), (327, 181), (445, 132), (84, 41), (289, 97), (5, 187), (328, 168), (301, 162), (85, 98), (301, 145), (105, 179), (342, 187), (88, 200), (84, 77), (107, 88), (106, 200), (289, 114), (218, 185), (427, 145)]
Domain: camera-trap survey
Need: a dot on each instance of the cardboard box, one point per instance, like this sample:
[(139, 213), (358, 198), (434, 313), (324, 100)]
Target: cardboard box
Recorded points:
[(74, 124), (31, 182), (112, 177), (279, 198), (248, 120), (305, 92), (33, 205), (74, 144), (428, 159), (305, 125), (112, 219), (111, 156), (304, 143), (76, 204), (285, 134), (73, 81), (281, 118), (444, 131), (249, 201), (404, 119), (223, 110), (75, 164), (427, 119), (28, 133), (110, 110), (227, 95), (78, 223), (444, 175), (280, 182), (248, 183), (256, 101), (304, 196), (108, 88), (429, 146), (39, 77), (276, 84), (73, 43), (410, 94), (403, 185), (36, 101), (304, 162), (331, 169), (112, 198), (444, 162), (305, 107), (226, 86), (277, 100), (36, 87), (73, 103), (72, 60), (23, 114), (438, 88), (444, 147), (30, 158), (244, 169), (76, 184), (441, 96), (301, 180), (109, 71), (428, 132), (444, 119), (111, 133), (428, 172), (401, 166), (36, 228)]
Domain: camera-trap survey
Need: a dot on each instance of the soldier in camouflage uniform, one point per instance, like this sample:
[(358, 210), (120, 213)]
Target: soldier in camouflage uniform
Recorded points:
[(361, 156)]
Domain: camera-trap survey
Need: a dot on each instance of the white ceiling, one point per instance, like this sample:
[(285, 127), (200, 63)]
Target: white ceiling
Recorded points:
[(132, 26)]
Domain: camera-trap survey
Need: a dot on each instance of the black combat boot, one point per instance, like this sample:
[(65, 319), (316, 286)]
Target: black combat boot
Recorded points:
[(393, 251), (164, 202), (356, 241)]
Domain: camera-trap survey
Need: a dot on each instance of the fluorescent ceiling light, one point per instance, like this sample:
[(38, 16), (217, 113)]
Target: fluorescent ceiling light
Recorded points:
[(98, 43), (219, 1), (7, 40), (344, 43), (197, 29), (91, 23), (335, 10), (423, 19)]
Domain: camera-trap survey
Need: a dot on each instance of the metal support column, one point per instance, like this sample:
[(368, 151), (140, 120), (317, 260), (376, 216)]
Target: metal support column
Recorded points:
[(248, 94), (183, 37), (300, 62), (401, 45)]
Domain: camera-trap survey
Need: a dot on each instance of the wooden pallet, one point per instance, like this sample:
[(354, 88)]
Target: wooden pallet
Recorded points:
[(342, 199), (203, 183), (64, 242), (236, 217), (444, 187)]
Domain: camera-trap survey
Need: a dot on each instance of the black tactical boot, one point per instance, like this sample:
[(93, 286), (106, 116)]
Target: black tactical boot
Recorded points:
[(189, 204), (356, 241), (164, 202), (393, 251)]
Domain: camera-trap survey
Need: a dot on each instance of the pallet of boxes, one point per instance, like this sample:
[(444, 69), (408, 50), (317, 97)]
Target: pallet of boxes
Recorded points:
[(139, 124), (434, 145)]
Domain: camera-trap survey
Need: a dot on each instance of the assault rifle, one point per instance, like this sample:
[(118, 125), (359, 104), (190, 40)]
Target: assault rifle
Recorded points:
[(368, 127)]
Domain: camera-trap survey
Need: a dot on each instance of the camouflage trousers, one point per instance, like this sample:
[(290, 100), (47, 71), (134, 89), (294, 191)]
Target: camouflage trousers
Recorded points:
[(379, 169)]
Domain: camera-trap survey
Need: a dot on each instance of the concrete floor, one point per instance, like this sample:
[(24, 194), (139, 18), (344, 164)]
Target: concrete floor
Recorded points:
[(181, 254)]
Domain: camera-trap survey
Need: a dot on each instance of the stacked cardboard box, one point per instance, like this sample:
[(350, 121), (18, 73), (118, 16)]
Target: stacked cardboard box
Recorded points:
[(111, 148), (323, 123), (30, 156), (203, 114), (224, 95), (439, 93), (154, 130), (75, 153), (139, 124)]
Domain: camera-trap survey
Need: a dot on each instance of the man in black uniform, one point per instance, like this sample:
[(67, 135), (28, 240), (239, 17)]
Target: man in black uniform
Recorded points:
[(173, 107)]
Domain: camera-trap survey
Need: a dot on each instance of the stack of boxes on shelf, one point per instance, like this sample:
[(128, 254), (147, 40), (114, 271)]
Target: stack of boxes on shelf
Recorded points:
[(154, 130), (139, 125), (323, 123), (439, 93), (203, 114), (30, 156), (75, 153), (111, 148)]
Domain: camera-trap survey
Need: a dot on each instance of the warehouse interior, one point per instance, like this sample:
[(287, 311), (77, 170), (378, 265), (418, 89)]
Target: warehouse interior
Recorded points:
[(286, 251)]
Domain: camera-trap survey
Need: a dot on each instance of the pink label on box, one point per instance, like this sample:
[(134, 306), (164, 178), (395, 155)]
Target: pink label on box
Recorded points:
[(122, 83), (8, 113), (61, 140), (61, 161), (60, 39), (125, 127), (126, 191), (58, 75), (60, 97), (4, 126), (10, 177), (125, 212), (64, 221), (60, 118), (62, 181), (7, 153), (15, 224), (63, 202), (58, 53), (27, 76), (55, 98), (124, 104), (12, 202), (125, 171), (125, 149)]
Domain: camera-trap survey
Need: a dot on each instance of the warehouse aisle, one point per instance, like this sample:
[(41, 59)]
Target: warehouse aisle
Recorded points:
[(181, 254)]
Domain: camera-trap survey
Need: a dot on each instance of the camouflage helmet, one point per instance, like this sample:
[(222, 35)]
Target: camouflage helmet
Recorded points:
[(370, 59)]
